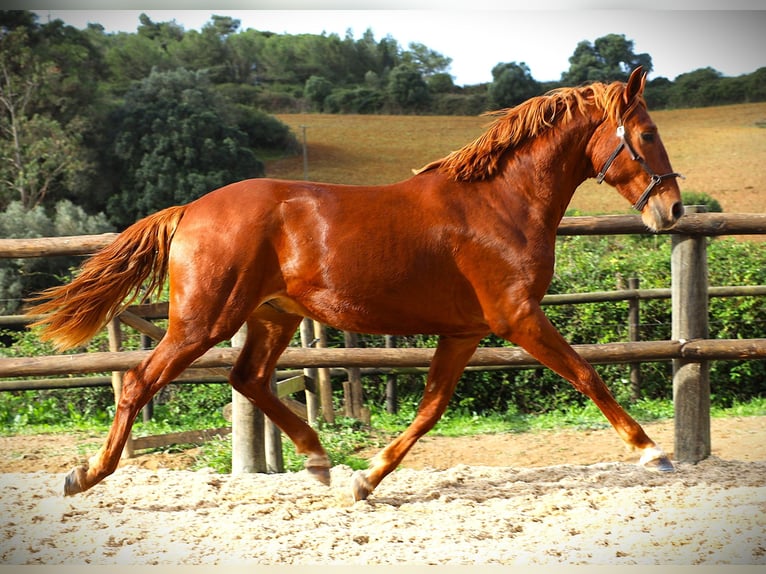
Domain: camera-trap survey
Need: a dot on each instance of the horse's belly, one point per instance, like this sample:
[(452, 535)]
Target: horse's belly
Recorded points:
[(390, 314)]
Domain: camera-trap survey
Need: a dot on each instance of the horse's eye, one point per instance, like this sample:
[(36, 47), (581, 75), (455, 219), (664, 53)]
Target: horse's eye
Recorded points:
[(647, 136)]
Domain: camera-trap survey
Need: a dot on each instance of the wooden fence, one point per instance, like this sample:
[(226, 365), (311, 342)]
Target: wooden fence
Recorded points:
[(689, 349)]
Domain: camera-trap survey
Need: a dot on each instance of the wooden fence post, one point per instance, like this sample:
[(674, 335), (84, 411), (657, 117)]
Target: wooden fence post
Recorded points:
[(634, 334), (691, 378), (324, 383), (273, 439), (353, 391), (312, 403), (114, 333), (392, 397), (248, 453), (148, 411)]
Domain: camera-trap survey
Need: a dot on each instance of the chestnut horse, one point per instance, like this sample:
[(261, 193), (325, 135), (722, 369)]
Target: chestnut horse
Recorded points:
[(462, 249)]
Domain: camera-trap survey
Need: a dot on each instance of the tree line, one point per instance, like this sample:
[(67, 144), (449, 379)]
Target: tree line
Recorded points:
[(99, 129)]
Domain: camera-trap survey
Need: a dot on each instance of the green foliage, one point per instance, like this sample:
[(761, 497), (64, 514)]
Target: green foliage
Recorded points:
[(41, 99), (176, 141), (316, 91), (78, 408), (607, 59), (360, 100), (512, 84), (697, 198), (407, 90), (20, 278), (192, 406), (459, 422), (341, 441)]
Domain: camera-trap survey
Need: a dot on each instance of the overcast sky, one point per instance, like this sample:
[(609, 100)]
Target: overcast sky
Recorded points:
[(733, 41)]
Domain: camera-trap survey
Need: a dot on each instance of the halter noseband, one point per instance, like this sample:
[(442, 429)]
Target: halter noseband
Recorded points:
[(655, 179)]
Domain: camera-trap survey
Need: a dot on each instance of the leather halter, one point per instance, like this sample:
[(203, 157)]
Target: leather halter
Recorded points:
[(655, 179)]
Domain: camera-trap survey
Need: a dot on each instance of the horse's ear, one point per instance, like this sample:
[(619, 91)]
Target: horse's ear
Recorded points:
[(635, 85)]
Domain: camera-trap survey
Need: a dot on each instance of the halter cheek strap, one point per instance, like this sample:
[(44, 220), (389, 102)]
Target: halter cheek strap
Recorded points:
[(654, 178)]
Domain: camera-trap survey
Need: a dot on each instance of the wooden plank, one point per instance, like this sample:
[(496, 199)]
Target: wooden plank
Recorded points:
[(710, 224), (159, 310), (690, 224), (150, 310), (289, 386), (49, 246), (295, 358), (142, 325), (185, 437)]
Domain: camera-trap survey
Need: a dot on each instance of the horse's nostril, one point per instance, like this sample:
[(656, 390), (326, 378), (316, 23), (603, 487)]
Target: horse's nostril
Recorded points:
[(677, 210)]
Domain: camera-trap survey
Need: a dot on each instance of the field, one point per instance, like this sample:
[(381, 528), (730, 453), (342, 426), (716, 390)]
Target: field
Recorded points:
[(720, 150)]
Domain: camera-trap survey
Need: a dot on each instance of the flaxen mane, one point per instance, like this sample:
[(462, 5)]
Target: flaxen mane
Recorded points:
[(479, 159)]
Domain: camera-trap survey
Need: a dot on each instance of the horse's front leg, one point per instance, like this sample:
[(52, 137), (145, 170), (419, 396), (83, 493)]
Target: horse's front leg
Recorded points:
[(529, 328), (451, 356)]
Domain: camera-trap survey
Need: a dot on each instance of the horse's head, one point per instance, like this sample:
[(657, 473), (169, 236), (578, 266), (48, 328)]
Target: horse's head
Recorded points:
[(629, 154)]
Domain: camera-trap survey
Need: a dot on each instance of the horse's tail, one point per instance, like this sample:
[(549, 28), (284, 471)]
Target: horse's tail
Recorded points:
[(108, 281)]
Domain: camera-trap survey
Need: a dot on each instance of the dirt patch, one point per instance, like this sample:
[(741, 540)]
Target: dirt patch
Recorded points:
[(732, 439), (470, 513)]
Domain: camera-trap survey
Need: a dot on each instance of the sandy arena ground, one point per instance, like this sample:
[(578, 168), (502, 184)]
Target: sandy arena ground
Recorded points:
[(562, 513)]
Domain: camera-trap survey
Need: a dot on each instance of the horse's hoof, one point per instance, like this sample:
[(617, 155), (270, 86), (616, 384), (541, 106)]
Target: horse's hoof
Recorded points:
[(318, 466), (661, 464), (655, 460), (361, 486), (73, 484), (321, 473)]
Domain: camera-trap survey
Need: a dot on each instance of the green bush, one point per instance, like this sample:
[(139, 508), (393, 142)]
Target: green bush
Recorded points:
[(19, 278), (698, 198)]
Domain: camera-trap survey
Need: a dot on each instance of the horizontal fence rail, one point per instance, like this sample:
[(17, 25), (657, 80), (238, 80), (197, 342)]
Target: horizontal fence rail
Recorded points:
[(709, 224), (160, 310), (293, 358)]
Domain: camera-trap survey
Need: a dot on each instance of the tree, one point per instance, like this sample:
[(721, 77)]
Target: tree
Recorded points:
[(440, 83), (512, 84), (426, 60), (19, 278), (696, 89), (407, 90), (755, 86), (177, 140), (609, 58), (37, 153), (316, 90)]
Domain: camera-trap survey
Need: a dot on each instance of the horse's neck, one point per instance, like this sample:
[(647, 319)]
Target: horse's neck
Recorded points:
[(560, 163)]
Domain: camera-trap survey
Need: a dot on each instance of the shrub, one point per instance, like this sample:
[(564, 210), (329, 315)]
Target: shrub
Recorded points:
[(19, 278)]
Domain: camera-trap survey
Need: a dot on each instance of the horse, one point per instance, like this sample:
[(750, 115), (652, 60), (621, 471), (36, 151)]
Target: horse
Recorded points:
[(463, 248)]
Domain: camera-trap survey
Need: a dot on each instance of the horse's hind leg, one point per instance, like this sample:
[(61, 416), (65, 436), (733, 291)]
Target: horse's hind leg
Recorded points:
[(450, 358), (268, 333), (140, 384)]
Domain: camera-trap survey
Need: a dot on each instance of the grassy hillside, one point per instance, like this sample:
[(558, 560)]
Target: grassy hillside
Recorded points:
[(721, 150)]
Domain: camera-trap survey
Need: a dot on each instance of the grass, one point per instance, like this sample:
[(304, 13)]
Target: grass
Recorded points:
[(456, 423), (720, 150), (347, 437)]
